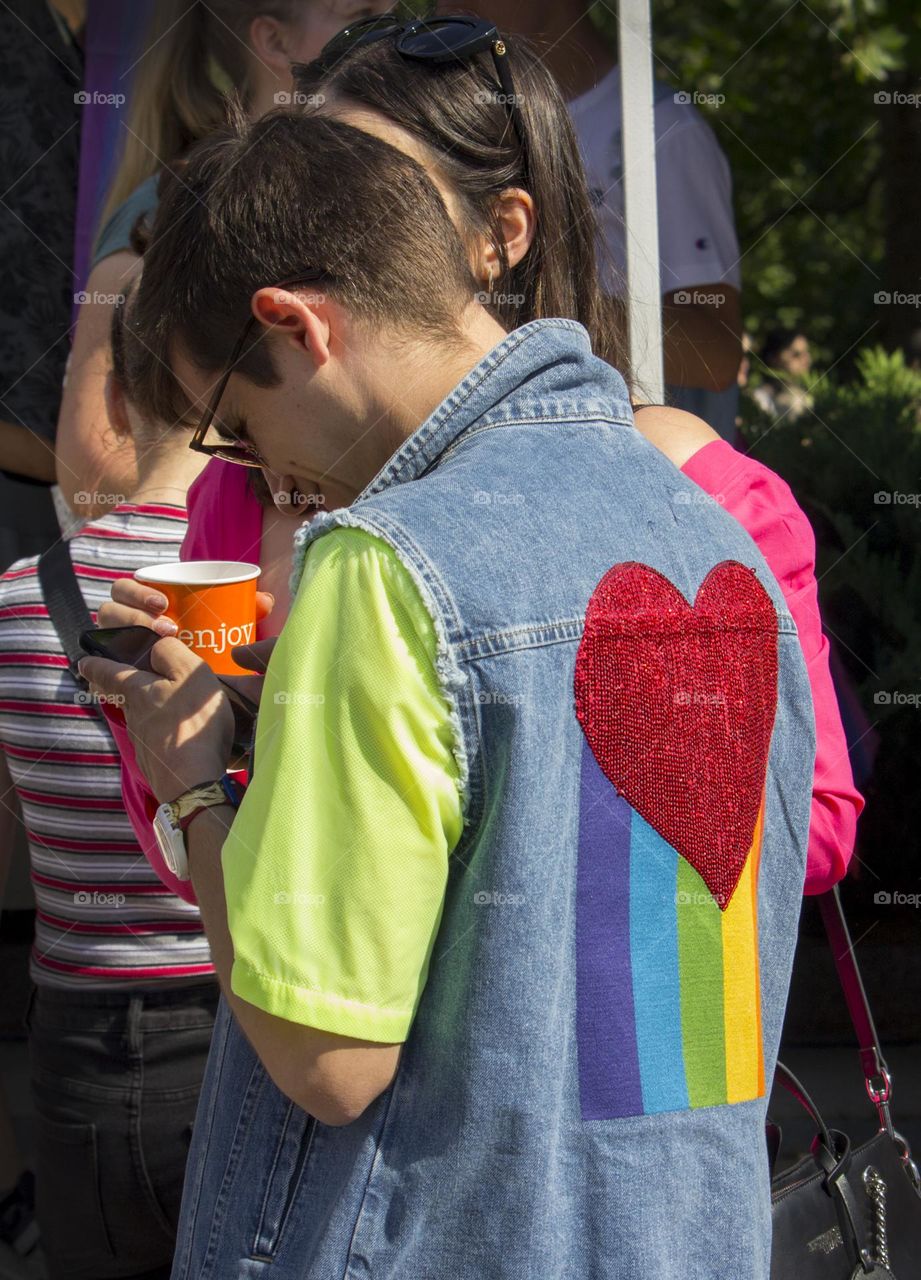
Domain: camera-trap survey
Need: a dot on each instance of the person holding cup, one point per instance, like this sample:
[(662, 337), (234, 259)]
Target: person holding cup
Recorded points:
[(232, 1052)]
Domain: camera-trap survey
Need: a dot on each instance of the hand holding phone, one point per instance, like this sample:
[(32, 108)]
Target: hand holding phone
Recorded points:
[(132, 646)]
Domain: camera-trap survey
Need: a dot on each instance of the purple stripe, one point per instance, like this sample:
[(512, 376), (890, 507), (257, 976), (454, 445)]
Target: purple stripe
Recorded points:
[(114, 39), (609, 1068)]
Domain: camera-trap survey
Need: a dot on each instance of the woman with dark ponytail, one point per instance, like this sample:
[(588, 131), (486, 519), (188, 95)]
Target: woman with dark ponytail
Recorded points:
[(454, 110)]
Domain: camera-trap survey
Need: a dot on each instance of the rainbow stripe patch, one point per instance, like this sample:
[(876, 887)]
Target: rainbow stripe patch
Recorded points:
[(668, 987)]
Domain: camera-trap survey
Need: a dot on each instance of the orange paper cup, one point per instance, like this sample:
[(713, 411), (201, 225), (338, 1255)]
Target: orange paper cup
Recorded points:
[(213, 603)]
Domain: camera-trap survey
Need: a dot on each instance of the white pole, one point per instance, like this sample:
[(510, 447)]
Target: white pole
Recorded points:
[(640, 199)]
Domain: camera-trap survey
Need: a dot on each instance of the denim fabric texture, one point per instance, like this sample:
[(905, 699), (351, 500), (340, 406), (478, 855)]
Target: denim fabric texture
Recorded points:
[(507, 507)]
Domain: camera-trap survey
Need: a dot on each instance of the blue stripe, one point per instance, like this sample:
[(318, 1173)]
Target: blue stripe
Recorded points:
[(656, 974)]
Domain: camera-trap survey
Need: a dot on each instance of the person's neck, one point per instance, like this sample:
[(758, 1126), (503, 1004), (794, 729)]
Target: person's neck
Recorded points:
[(398, 386), (576, 53), (420, 394), (166, 479)]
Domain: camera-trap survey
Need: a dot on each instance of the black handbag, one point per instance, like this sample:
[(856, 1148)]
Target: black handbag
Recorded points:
[(846, 1212)]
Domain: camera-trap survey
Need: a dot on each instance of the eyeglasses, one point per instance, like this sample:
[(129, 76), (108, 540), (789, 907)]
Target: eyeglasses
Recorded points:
[(240, 452), (435, 40)]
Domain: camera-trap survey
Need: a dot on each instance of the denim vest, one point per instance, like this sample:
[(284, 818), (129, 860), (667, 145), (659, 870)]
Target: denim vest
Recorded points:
[(582, 1094)]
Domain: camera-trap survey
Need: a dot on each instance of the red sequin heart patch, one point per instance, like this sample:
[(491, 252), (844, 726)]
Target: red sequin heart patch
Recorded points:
[(678, 704)]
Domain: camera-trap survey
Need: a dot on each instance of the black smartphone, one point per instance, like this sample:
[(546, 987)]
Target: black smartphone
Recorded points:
[(132, 646)]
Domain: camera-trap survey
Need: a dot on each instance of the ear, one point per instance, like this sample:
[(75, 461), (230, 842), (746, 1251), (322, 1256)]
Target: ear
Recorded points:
[(117, 406), (268, 38), (518, 219), (303, 319)]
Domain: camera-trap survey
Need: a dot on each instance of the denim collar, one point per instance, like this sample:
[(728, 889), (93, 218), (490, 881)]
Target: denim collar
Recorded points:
[(520, 363)]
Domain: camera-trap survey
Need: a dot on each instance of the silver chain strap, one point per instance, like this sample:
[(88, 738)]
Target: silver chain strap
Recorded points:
[(876, 1190)]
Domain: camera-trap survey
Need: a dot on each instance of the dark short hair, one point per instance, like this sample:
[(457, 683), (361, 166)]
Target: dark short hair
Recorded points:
[(261, 203)]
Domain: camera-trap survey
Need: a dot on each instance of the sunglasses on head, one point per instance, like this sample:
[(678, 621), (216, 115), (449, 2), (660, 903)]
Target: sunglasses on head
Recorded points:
[(432, 40), (240, 452)]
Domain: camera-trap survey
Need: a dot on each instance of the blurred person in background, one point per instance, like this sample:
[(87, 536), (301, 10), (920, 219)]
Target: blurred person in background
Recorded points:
[(786, 359), (698, 246), (124, 995), (41, 74), (197, 55), (745, 365)]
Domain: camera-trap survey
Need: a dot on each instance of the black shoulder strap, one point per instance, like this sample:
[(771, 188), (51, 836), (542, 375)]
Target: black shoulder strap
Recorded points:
[(839, 939), (64, 601)]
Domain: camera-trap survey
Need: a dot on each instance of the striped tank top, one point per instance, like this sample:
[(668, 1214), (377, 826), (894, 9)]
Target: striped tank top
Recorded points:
[(103, 919)]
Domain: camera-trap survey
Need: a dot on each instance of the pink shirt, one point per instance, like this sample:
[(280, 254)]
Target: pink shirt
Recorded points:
[(225, 523), (225, 516), (764, 505)]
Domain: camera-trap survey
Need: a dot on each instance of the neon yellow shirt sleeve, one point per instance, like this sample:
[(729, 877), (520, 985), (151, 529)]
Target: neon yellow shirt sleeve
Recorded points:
[(336, 865)]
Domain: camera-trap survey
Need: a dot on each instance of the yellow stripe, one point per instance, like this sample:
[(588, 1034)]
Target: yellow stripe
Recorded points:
[(741, 983)]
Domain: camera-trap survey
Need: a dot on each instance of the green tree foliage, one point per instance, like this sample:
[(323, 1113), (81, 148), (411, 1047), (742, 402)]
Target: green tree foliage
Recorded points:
[(826, 190), (854, 463), (805, 139)]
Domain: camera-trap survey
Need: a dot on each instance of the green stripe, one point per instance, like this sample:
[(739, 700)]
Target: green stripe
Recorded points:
[(700, 956)]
